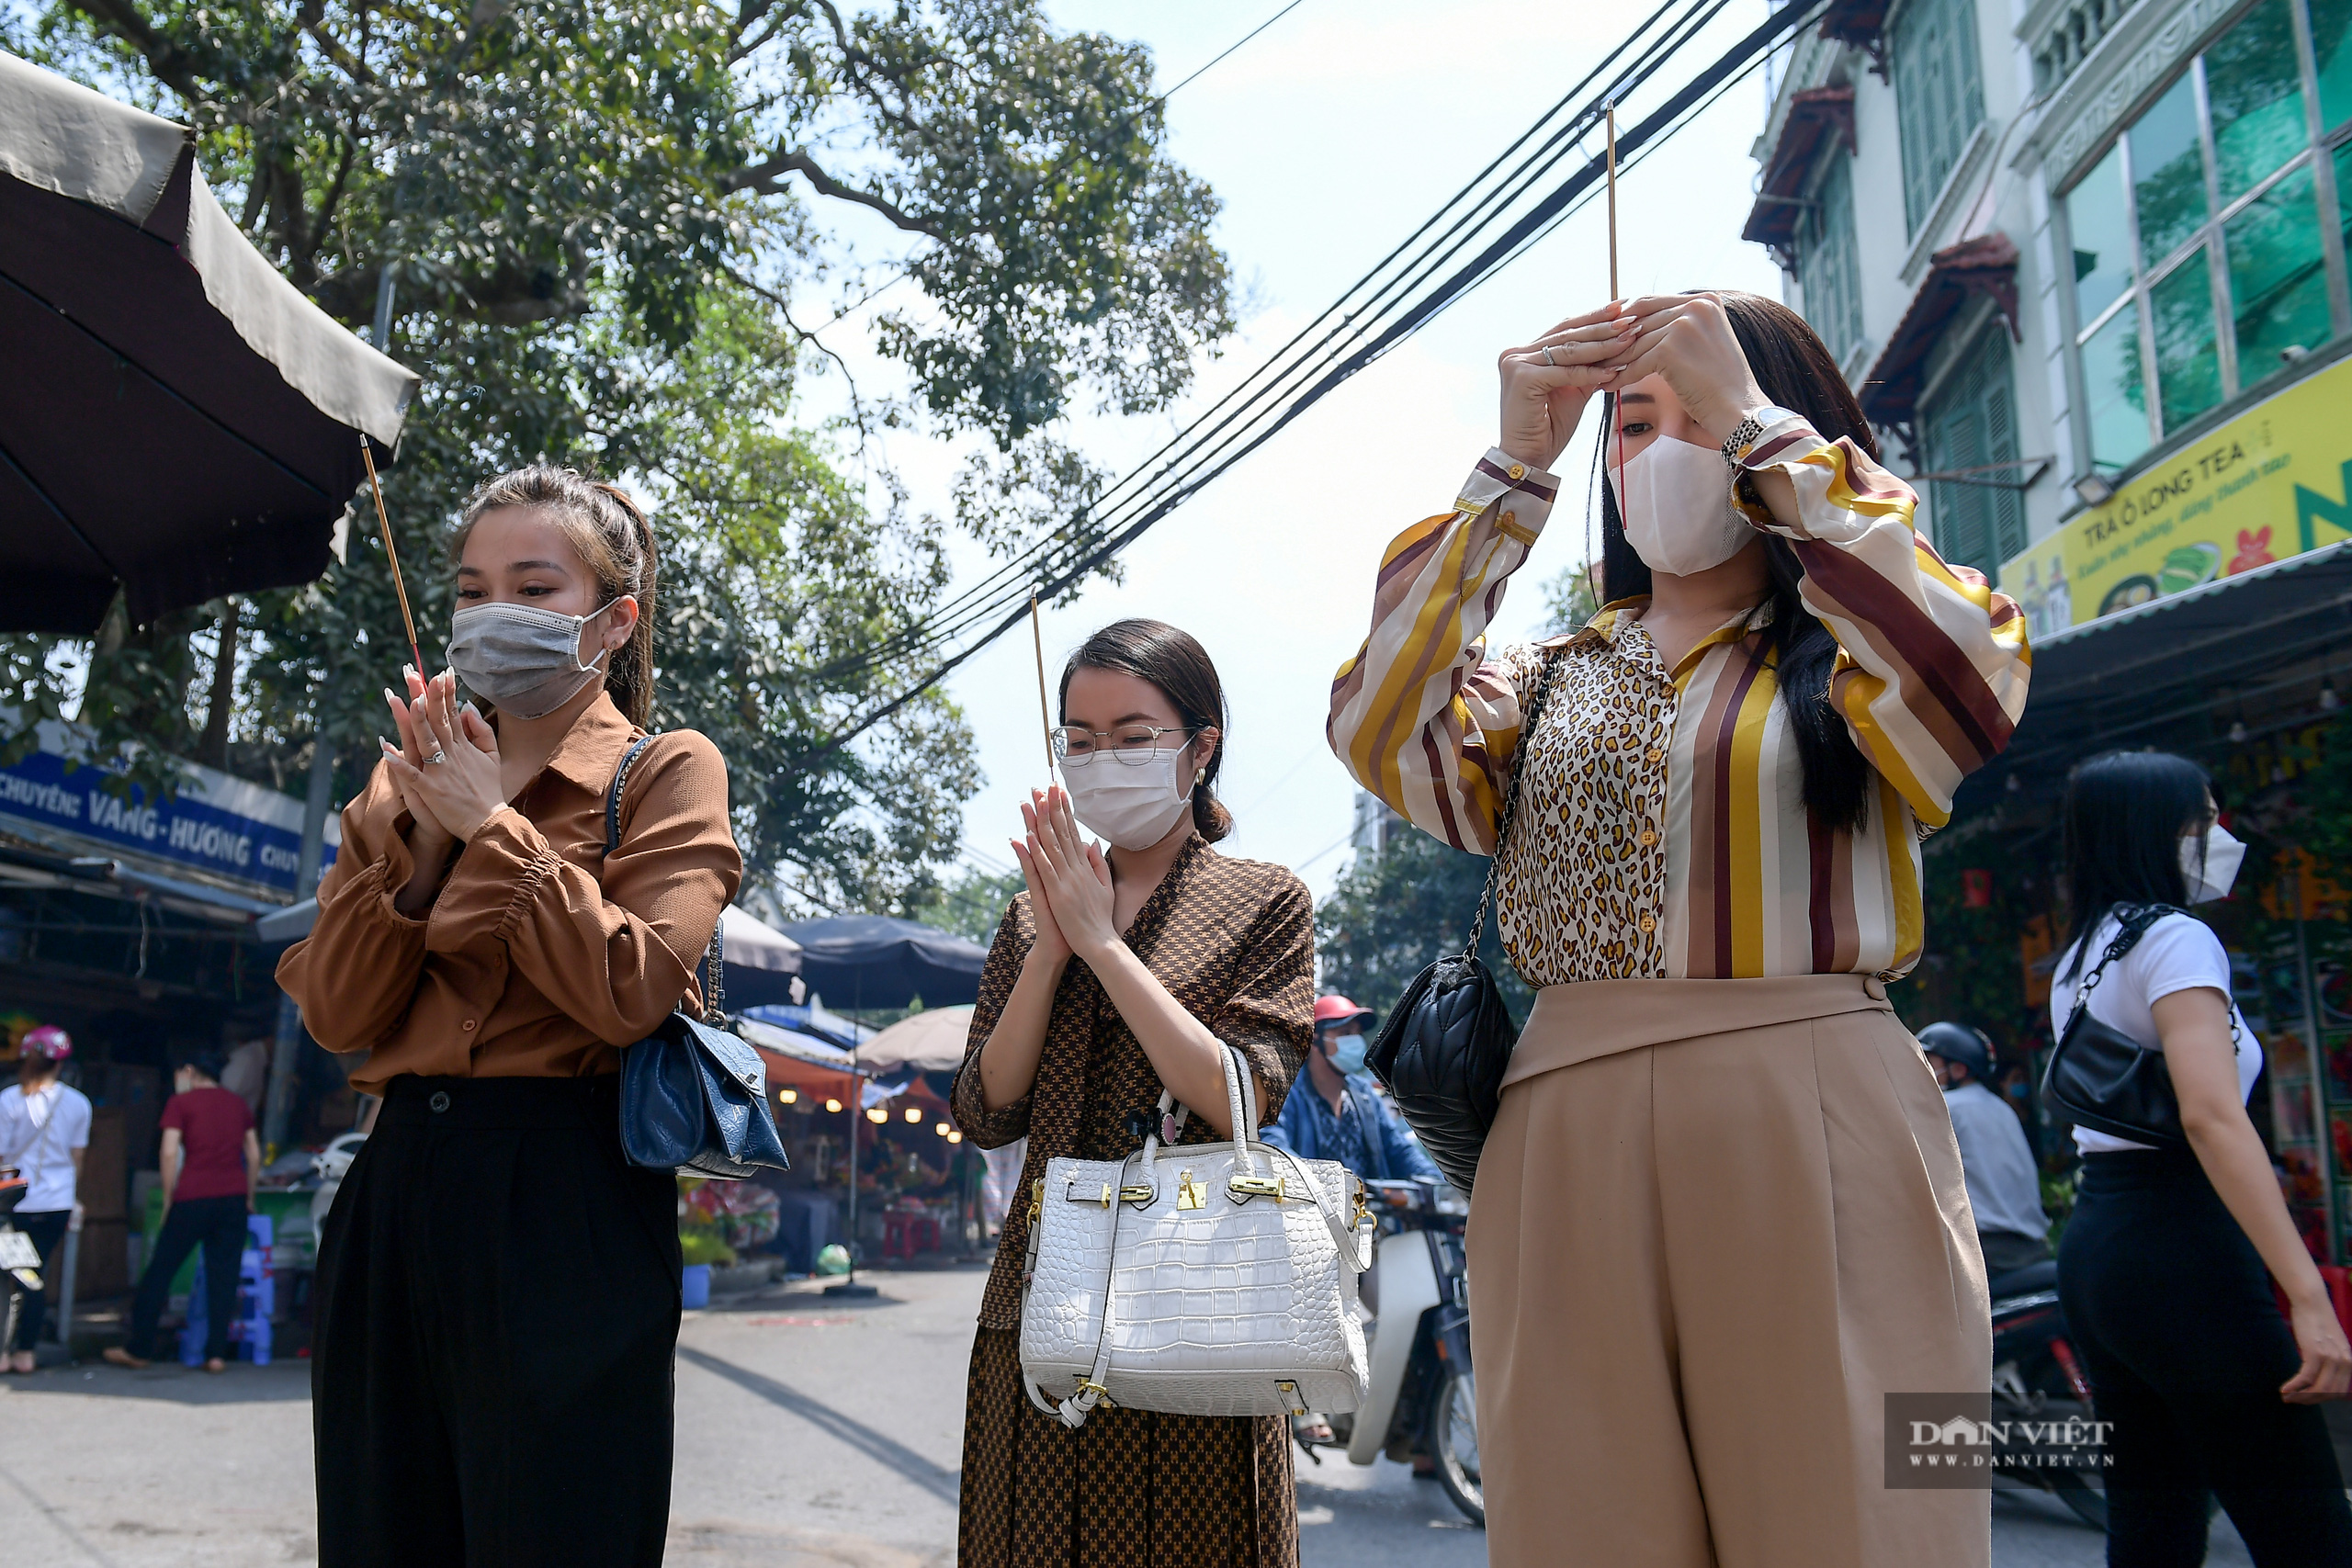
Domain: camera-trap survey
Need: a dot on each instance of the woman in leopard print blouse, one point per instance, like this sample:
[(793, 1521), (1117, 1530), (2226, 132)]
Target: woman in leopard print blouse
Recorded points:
[(1719, 1219), (1111, 979)]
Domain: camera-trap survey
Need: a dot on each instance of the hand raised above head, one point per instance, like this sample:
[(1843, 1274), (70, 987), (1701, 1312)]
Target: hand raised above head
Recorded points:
[(1688, 339), (1547, 383)]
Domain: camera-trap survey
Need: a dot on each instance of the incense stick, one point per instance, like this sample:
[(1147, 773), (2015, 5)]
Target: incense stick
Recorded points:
[(384, 527), (1044, 710), (1610, 111)]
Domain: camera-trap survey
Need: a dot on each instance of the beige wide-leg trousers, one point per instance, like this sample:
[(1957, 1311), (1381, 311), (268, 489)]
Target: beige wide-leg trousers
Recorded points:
[(1717, 1222)]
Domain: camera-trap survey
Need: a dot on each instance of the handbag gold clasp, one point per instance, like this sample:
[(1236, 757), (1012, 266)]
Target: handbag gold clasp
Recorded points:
[(1142, 1193), (1102, 1394), (1191, 1194), (1257, 1187)]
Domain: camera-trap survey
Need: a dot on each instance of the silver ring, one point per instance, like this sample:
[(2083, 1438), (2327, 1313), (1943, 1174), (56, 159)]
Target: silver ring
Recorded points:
[(438, 757), (1549, 360)]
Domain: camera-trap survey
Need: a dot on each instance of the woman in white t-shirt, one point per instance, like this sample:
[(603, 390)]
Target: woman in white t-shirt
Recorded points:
[(2162, 1271)]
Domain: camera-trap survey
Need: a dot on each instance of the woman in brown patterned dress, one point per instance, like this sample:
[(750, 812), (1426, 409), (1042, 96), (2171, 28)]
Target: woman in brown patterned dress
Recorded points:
[(1112, 978)]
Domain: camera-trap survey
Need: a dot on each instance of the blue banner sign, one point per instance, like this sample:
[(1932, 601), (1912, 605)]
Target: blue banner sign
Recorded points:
[(229, 830)]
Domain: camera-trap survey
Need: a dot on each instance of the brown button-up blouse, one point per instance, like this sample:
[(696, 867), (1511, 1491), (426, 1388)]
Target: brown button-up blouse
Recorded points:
[(540, 956), (1234, 943)]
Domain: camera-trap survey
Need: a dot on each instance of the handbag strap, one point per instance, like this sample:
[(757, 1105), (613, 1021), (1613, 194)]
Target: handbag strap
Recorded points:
[(1503, 818), (2132, 924), (716, 952)]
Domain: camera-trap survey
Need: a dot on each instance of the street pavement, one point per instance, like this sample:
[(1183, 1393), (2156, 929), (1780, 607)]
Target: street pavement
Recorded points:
[(813, 1433)]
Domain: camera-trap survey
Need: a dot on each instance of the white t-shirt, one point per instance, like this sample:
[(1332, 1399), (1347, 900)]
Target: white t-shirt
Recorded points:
[(38, 1137), (2176, 954)]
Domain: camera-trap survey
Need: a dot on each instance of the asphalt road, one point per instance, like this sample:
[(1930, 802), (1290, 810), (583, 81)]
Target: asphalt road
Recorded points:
[(813, 1433)]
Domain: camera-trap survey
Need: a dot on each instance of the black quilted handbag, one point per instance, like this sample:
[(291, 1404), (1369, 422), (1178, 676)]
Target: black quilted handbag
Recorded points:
[(694, 1099), (2101, 1077), (1446, 1043)]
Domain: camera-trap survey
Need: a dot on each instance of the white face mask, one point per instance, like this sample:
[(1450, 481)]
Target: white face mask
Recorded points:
[(1680, 519), (1133, 806), (522, 658), (2210, 877)]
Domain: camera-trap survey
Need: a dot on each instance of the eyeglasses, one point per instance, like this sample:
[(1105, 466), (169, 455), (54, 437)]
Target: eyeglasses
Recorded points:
[(1132, 744)]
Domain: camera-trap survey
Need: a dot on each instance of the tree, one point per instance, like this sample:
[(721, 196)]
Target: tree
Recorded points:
[(595, 225), (1393, 914)]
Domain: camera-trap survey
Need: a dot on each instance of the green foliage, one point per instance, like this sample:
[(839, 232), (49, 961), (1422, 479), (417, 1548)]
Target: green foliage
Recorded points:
[(1569, 601), (1392, 915), (596, 223), (972, 905)]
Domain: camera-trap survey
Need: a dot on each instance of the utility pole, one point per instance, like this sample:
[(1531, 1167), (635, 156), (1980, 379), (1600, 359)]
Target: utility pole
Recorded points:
[(279, 1106)]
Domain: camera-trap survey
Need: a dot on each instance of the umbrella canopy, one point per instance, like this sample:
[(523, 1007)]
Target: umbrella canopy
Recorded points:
[(180, 420), (873, 960), (762, 965), (929, 1042)]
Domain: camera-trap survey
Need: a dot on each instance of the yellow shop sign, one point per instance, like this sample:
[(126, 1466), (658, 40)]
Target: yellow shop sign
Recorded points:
[(2273, 482)]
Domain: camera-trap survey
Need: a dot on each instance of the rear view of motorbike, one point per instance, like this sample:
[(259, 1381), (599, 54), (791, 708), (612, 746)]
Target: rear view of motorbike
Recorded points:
[(1422, 1402)]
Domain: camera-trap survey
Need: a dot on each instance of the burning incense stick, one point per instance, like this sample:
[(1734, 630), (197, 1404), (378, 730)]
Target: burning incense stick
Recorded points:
[(1044, 710)]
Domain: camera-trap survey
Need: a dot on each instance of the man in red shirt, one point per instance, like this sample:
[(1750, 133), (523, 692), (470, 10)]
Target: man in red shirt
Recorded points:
[(211, 1161)]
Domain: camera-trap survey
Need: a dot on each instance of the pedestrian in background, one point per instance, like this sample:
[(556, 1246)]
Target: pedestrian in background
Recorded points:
[(44, 1127), (2004, 1187), (1111, 979), (211, 1161), (1721, 1198), (1346, 1118), (2165, 1268), (498, 1289)]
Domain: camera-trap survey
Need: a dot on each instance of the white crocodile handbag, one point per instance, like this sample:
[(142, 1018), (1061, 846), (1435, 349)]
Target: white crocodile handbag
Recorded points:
[(1196, 1279)]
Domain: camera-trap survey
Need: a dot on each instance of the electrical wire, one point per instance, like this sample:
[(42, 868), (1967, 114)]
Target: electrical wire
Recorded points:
[(1238, 425), (1245, 37)]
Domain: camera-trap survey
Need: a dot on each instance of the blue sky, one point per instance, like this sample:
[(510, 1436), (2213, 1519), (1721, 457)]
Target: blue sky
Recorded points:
[(1329, 137)]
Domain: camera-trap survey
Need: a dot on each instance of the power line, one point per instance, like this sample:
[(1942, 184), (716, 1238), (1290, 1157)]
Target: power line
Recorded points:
[(1245, 37), (1238, 425)]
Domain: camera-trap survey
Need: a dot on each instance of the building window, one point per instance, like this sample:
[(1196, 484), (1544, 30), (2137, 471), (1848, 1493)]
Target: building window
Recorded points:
[(1971, 423), (2207, 245), (1939, 95), (1827, 268)]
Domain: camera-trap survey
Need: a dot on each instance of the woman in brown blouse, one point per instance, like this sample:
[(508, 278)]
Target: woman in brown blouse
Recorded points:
[(1112, 978), (497, 1289)]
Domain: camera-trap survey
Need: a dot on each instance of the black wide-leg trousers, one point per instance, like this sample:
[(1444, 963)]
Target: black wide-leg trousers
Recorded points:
[(497, 1303)]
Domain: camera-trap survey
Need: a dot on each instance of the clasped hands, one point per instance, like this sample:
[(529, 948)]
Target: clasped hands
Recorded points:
[(1070, 894), (446, 765), (1684, 338)]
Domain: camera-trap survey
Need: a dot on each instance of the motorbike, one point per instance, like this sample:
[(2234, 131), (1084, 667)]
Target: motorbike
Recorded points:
[(19, 1258), (1423, 1396), (2037, 1379)]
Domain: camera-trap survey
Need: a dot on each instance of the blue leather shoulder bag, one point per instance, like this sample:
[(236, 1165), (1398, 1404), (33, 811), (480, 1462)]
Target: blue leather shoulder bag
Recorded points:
[(694, 1099)]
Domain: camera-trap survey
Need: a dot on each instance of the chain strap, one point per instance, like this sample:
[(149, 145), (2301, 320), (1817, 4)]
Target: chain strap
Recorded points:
[(2129, 928), (717, 950), (1510, 795)]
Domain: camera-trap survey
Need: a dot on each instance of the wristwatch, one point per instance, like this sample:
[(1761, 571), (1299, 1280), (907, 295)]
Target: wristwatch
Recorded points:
[(1754, 425)]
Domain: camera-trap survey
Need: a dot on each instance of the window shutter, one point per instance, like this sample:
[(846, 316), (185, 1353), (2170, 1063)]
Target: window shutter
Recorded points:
[(1971, 423)]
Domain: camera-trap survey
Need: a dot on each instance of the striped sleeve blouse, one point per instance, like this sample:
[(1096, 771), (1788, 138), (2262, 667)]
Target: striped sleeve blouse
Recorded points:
[(1662, 831)]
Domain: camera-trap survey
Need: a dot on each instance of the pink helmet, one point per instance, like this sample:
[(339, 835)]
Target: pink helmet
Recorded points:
[(48, 1040)]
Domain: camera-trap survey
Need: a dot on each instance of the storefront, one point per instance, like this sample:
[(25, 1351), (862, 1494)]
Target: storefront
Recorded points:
[(2244, 671), (130, 923)]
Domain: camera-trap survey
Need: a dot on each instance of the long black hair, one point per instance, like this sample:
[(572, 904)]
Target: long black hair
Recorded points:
[(1794, 370), (2124, 814)]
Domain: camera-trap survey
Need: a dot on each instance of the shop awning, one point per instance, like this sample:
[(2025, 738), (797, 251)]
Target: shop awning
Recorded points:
[(112, 879), (793, 1042), (1818, 116), (2172, 655), (1987, 265)]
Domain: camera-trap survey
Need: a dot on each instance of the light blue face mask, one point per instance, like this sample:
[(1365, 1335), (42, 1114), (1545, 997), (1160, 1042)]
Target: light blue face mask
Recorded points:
[(1347, 1052)]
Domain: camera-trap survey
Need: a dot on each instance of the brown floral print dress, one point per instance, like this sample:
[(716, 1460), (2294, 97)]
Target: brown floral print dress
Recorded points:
[(1234, 943)]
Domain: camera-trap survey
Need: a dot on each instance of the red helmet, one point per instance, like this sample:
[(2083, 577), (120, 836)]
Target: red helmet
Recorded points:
[(1335, 1008), (48, 1040)]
